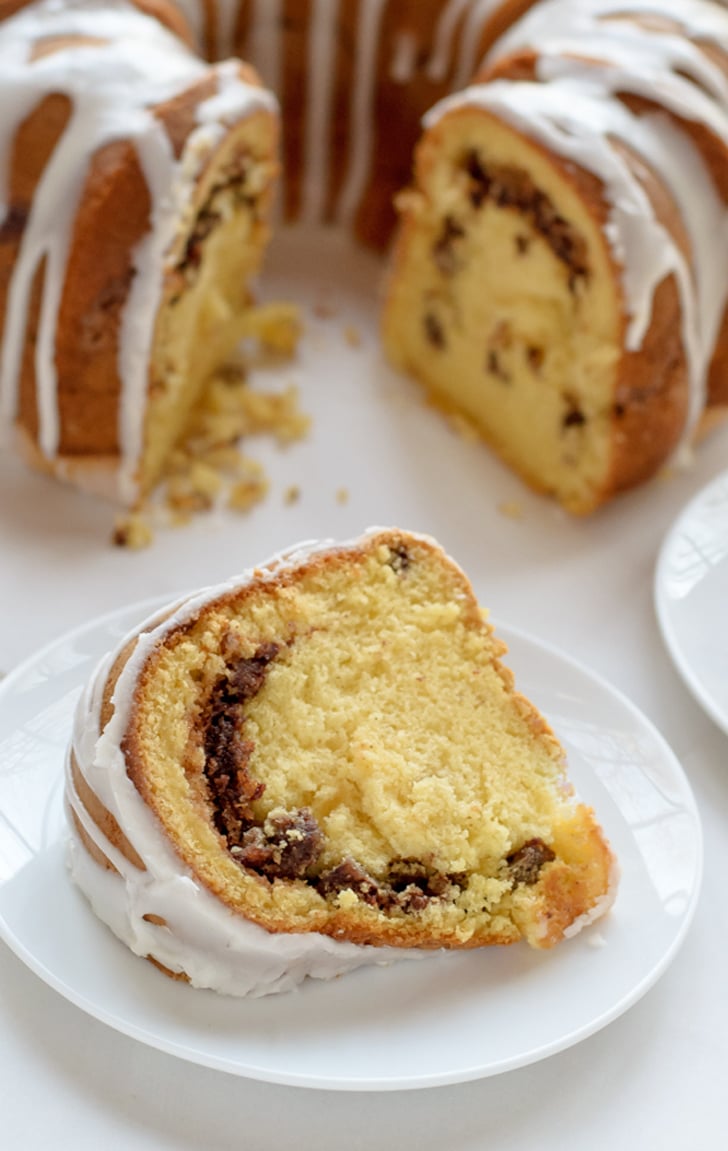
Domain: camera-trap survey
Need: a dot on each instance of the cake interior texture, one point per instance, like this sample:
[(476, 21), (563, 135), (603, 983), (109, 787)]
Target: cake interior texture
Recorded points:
[(207, 296), (339, 749), (502, 301)]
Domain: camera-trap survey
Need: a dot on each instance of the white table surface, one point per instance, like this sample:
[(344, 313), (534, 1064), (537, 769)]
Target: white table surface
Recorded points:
[(655, 1078)]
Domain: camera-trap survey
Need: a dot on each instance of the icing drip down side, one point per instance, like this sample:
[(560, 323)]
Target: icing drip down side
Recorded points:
[(588, 54), (117, 67)]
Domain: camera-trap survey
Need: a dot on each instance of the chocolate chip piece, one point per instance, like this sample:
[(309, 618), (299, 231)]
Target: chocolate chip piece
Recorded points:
[(535, 357), (349, 875), (574, 416), (480, 180), (495, 368), (526, 863), (434, 330), (399, 559), (444, 250), (510, 187), (286, 846)]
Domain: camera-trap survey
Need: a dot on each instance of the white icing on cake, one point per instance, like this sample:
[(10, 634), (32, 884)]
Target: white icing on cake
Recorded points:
[(587, 52), (113, 83)]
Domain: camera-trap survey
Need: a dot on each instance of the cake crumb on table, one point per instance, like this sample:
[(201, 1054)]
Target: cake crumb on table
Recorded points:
[(250, 486), (292, 494), (342, 496), (277, 327), (208, 468), (511, 509), (132, 531)]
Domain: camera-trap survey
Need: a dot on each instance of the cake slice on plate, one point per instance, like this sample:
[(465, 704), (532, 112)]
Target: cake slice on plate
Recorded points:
[(320, 764)]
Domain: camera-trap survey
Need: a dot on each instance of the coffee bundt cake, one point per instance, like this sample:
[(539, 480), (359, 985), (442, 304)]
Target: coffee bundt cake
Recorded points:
[(560, 275), (322, 764), (139, 184)]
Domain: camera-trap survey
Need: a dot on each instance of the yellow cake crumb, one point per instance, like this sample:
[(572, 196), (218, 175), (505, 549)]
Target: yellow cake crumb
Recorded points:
[(342, 496), (292, 494), (276, 326), (245, 494), (132, 531), (511, 509), (208, 466)]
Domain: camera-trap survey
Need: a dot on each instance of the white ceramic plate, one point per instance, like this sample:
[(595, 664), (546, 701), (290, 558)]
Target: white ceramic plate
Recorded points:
[(691, 597), (444, 1020)]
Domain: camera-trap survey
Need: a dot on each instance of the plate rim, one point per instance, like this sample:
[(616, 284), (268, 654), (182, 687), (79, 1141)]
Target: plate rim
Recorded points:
[(689, 677), (144, 609)]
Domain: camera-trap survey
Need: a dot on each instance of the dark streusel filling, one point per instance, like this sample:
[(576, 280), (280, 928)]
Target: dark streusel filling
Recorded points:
[(287, 845)]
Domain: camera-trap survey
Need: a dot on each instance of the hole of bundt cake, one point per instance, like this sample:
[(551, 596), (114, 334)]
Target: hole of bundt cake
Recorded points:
[(525, 864), (509, 187), (434, 330)]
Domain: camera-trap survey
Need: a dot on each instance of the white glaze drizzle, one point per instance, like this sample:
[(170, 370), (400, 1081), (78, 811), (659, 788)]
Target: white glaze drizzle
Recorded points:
[(480, 11), (442, 44), (319, 109), (574, 122), (213, 946), (265, 41), (599, 45), (113, 87), (362, 103), (404, 57)]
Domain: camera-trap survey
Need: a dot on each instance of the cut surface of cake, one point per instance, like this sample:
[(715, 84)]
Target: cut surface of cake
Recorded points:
[(138, 185), (322, 764), (559, 275)]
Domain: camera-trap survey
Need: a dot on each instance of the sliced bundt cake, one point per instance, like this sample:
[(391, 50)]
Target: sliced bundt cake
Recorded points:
[(559, 275), (326, 755)]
